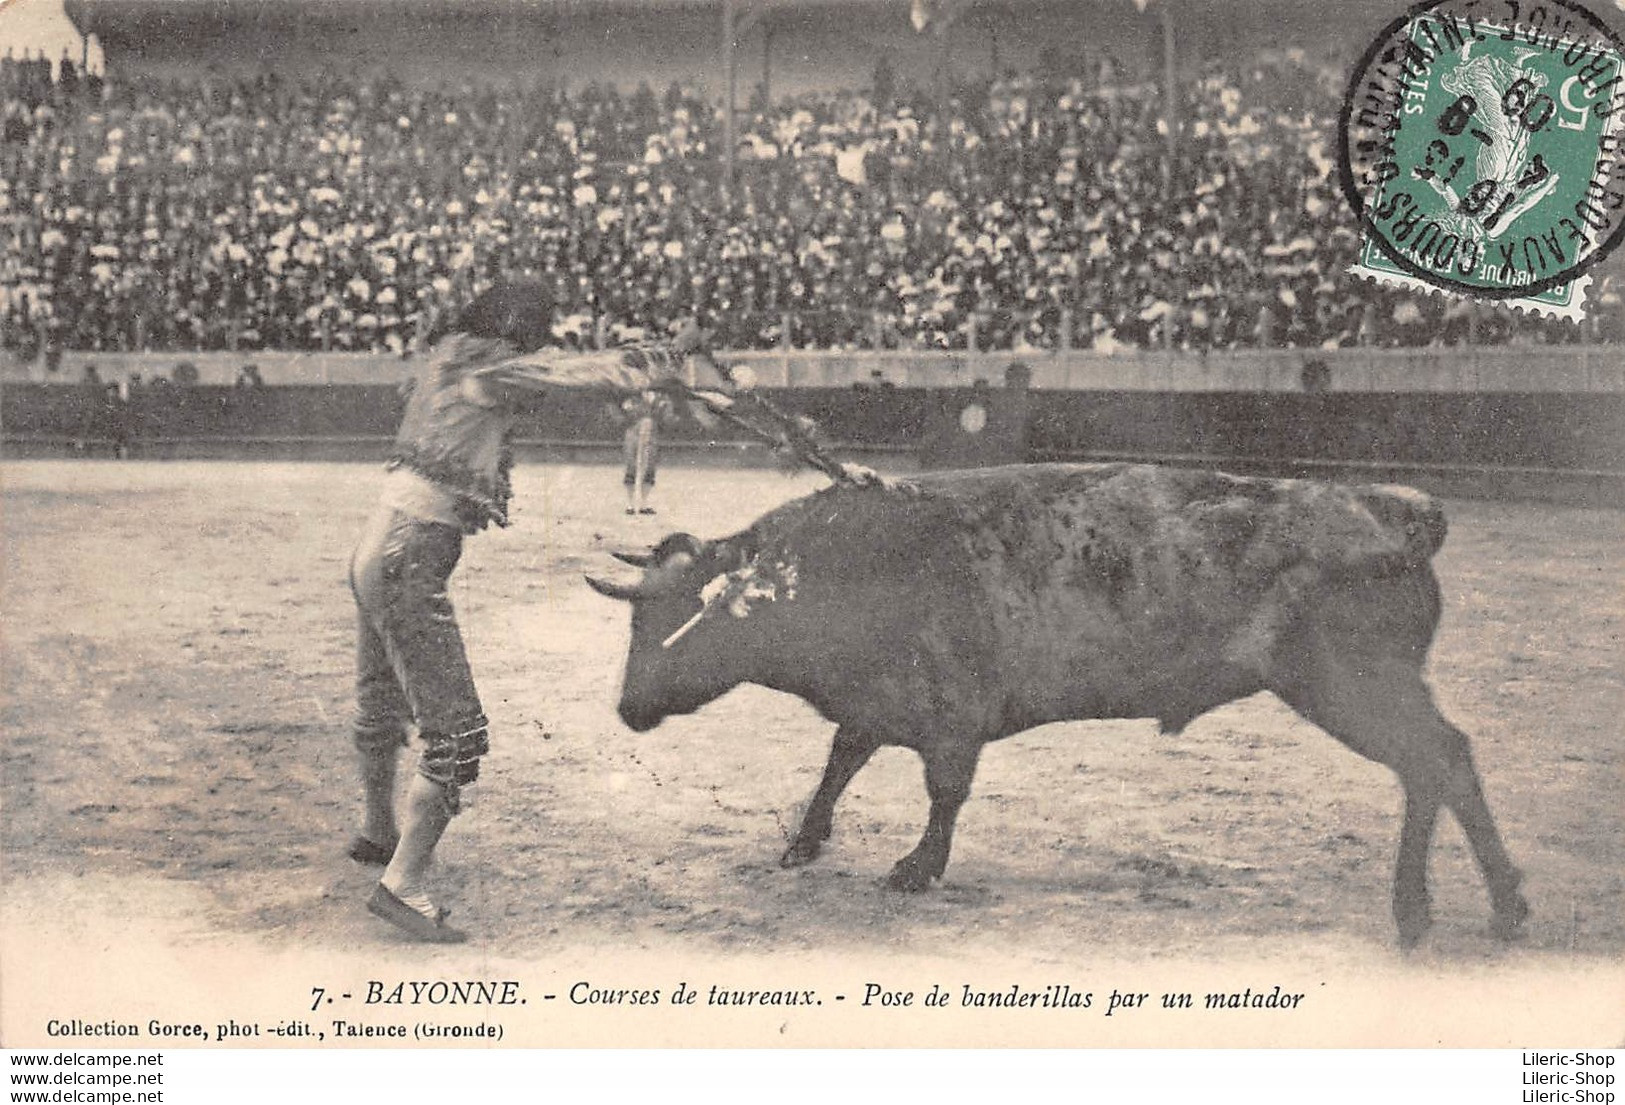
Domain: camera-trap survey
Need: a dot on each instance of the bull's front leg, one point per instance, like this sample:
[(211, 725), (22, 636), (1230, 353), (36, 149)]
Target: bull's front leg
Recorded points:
[(1412, 905), (847, 755), (949, 767)]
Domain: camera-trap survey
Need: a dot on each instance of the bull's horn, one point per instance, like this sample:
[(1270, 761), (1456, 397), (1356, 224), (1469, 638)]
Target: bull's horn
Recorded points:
[(661, 579), (612, 590), (670, 546)]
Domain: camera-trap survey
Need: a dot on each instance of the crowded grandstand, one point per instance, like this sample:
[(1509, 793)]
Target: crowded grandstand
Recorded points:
[(1040, 209)]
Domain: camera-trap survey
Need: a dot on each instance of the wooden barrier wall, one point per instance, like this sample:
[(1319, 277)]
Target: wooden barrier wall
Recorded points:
[(1568, 368), (1567, 431)]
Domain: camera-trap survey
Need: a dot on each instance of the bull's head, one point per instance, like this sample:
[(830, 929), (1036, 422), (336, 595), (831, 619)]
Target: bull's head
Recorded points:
[(675, 663)]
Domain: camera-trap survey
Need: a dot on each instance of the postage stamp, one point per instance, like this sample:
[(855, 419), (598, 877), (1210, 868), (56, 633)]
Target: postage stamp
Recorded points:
[(1480, 144)]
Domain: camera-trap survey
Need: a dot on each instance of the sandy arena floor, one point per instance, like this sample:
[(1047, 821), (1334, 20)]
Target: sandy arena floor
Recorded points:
[(177, 778)]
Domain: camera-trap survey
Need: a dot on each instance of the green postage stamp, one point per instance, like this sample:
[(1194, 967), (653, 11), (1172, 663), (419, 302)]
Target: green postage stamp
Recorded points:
[(1480, 144)]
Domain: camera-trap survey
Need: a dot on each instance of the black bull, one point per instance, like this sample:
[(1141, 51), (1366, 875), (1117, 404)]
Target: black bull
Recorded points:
[(964, 607)]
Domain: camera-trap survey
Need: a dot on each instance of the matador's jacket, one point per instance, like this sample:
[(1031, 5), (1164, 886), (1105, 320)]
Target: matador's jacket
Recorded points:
[(458, 419)]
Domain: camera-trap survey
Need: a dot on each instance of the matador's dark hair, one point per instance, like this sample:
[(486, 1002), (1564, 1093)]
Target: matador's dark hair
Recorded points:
[(516, 311)]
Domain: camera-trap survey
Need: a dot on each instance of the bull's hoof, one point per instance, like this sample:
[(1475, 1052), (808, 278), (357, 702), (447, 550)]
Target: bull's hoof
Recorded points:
[(1507, 923), (910, 876), (802, 851), (1413, 923)]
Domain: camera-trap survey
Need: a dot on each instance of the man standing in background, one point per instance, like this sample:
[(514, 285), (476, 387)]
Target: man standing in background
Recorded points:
[(640, 445), (645, 410)]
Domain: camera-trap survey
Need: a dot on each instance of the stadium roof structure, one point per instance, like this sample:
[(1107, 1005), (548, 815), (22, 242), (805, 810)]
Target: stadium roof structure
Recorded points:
[(28, 25), (802, 41), (566, 7)]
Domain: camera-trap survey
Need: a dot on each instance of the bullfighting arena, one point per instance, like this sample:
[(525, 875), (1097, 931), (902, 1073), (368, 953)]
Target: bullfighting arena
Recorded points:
[(178, 788)]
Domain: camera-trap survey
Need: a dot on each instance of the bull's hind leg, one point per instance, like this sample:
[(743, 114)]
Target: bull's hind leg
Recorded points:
[(1381, 708), (949, 768), (847, 755), (1464, 794)]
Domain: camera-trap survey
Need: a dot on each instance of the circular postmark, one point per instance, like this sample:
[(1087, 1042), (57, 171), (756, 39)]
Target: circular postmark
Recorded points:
[(1482, 145)]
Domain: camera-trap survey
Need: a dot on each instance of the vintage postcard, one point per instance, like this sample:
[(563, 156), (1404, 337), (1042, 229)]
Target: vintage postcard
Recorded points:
[(811, 523)]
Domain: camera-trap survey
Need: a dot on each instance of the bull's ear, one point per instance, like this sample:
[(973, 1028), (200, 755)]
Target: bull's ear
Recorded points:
[(731, 553), (612, 590)]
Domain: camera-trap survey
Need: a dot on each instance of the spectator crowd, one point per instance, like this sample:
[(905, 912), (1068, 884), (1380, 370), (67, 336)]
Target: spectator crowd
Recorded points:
[(353, 213)]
